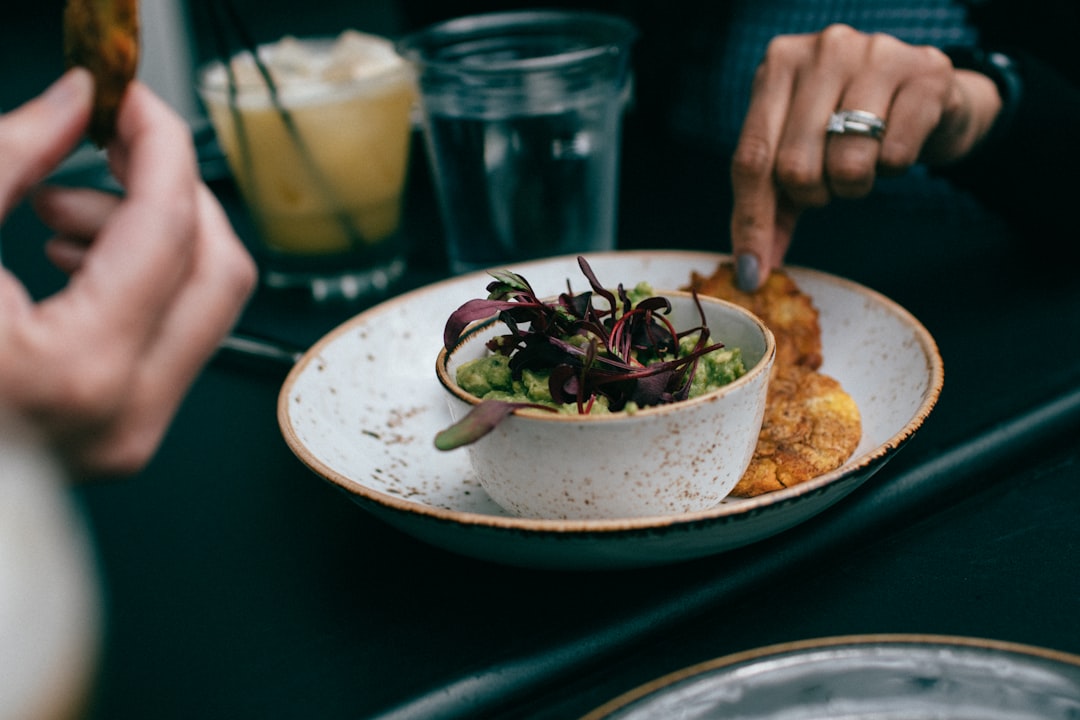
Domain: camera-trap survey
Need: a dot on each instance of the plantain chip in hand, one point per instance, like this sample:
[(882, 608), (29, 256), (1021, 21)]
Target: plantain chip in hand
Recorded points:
[(103, 37)]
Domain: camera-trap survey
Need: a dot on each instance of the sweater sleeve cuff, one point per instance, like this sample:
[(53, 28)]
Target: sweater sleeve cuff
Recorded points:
[(1013, 168)]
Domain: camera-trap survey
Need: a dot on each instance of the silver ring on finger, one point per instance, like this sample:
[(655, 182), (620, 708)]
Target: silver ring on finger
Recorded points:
[(856, 122)]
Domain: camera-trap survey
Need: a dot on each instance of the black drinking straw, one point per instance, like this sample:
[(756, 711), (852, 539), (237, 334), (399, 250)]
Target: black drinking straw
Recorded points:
[(232, 18)]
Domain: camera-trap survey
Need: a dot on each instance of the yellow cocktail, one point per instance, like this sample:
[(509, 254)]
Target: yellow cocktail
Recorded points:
[(321, 158)]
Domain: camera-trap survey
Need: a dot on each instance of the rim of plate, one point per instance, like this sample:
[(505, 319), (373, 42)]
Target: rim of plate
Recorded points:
[(725, 511), (798, 647)]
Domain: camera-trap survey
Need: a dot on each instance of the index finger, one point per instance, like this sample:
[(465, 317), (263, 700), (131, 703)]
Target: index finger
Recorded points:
[(755, 193)]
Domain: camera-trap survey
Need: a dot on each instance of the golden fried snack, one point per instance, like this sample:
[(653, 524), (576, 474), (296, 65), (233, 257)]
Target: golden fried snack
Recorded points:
[(785, 309), (811, 426), (103, 36)]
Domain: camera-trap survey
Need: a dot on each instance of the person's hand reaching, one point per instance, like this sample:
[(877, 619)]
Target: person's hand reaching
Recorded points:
[(919, 109)]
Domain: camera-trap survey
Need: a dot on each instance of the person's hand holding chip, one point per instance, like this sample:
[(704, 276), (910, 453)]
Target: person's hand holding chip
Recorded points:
[(158, 277)]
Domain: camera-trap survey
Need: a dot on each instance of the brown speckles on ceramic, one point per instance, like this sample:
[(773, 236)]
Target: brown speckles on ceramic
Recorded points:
[(541, 465), (400, 416), (381, 364)]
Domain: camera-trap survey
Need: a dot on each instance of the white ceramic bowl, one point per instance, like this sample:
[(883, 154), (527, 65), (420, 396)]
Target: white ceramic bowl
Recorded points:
[(667, 459)]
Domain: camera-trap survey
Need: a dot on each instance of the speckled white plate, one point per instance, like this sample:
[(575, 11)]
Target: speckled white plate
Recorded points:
[(884, 677), (362, 406)]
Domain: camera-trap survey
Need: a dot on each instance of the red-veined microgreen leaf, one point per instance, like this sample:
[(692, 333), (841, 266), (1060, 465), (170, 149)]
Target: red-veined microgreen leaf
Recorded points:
[(623, 353), (599, 289), (479, 421), (469, 312)]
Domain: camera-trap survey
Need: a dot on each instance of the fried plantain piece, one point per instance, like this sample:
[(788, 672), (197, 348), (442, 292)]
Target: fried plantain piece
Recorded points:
[(811, 426), (781, 305), (103, 36)]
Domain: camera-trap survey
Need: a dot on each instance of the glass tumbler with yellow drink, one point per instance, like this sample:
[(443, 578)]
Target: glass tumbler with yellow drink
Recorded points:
[(316, 132)]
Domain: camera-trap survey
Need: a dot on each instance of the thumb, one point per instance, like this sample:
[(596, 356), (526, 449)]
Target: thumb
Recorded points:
[(14, 298), (36, 136), (787, 215)]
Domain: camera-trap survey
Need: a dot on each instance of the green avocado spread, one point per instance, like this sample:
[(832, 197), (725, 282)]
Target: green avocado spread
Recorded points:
[(490, 378)]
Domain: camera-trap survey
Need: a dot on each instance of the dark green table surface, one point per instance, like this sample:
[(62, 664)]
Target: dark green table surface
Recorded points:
[(239, 585)]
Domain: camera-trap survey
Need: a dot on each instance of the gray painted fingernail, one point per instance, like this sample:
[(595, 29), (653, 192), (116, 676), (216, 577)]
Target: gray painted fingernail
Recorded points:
[(746, 272)]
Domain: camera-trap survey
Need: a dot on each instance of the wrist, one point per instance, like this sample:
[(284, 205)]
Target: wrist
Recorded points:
[(982, 105), (1003, 72)]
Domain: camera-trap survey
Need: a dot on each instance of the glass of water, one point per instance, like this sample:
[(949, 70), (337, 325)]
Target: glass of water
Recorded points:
[(522, 121)]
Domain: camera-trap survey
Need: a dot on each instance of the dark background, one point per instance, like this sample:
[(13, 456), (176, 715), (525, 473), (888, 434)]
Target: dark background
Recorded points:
[(673, 192), (240, 586)]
